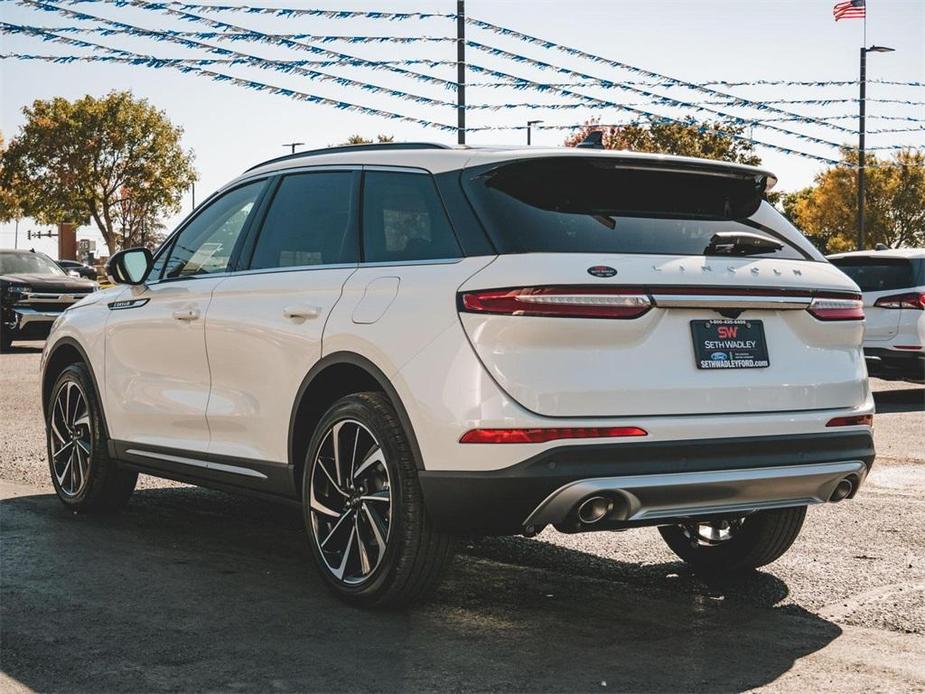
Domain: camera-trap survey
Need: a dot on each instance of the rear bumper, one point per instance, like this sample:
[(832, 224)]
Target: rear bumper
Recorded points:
[(889, 363), (649, 482)]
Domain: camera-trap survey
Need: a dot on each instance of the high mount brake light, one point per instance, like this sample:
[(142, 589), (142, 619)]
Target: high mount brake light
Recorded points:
[(559, 302), (865, 420), (913, 300), (539, 435), (830, 307)]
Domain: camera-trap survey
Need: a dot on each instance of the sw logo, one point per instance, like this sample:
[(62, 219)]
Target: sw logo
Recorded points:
[(728, 331)]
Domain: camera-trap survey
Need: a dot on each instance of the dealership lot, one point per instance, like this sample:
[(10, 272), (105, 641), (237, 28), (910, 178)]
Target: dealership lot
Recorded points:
[(192, 589)]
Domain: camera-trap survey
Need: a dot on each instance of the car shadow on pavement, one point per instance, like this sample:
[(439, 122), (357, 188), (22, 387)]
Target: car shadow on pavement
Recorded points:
[(906, 400), (195, 590)]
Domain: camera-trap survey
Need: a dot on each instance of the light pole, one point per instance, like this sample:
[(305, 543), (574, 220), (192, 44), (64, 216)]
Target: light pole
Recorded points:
[(530, 124), (862, 108), (292, 146)]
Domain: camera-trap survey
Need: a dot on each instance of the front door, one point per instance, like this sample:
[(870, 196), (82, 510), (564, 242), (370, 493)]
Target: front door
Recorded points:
[(157, 372)]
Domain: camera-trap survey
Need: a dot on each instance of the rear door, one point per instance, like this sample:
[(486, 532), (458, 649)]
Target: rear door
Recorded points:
[(264, 325), (627, 292), (878, 277)]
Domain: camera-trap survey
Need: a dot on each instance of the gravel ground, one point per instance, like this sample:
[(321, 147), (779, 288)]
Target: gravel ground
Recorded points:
[(196, 590)]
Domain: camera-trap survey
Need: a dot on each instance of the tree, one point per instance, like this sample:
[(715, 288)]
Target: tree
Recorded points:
[(894, 209), (115, 160), (689, 138), (10, 206), (360, 140)]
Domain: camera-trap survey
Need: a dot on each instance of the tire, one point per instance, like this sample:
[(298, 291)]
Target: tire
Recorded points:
[(372, 498), (755, 540), (84, 477)]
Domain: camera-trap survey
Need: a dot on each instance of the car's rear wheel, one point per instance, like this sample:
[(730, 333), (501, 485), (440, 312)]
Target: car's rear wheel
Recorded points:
[(364, 511), (82, 473), (737, 544)]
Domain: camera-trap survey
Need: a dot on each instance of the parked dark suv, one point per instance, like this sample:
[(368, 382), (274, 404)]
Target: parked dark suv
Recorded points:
[(34, 291)]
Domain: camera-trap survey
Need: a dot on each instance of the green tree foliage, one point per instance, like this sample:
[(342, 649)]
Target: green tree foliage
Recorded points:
[(690, 138), (116, 161), (894, 209), (360, 140), (10, 206)]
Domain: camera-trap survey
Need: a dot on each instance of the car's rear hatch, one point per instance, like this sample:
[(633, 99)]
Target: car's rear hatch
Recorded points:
[(606, 300), (879, 278)]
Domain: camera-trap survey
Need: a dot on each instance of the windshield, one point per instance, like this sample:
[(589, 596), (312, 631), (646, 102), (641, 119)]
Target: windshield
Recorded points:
[(877, 274), (588, 205), (28, 263)]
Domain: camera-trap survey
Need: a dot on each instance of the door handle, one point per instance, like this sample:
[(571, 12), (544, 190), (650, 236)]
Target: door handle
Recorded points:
[(303, 312), (186, 314)]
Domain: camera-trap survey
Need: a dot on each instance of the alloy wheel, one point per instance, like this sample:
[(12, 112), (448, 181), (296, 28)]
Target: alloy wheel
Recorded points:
[(71, 439), (350, 502)]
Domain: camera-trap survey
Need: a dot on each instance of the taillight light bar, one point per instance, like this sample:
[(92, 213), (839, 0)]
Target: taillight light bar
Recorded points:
[(913, 300), (865, 420), (542, 435), (831, 307), (559, 302)]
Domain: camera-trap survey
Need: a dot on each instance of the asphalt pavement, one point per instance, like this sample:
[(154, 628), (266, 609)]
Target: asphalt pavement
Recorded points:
[(194, 590)]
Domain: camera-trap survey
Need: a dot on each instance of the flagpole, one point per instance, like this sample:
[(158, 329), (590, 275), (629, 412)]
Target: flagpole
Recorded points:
[(862, 107)]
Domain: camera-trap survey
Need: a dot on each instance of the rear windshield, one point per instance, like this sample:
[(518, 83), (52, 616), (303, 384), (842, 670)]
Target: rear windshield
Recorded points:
[(587, 205), (877, 274)]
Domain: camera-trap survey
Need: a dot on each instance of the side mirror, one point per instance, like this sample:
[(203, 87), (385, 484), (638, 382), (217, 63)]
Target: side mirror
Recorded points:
[(130, 266)]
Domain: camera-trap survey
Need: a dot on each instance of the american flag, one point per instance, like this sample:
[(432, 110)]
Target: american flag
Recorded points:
[(850, 9)]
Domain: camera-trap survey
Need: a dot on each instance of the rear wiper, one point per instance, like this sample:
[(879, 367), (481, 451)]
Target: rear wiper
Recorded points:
[(741, 243)]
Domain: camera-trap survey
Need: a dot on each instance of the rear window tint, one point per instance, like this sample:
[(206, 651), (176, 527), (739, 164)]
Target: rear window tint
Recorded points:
[(877, 274), (586, 205)]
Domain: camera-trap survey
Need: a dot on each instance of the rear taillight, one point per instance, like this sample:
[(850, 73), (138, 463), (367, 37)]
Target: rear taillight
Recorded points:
[(542, 435), (837, 307), (559, 302), (913, 300), (861, 420)]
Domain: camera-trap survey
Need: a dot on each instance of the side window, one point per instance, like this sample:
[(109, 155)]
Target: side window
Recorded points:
[(206, 244), (404, 219), (310, 222)]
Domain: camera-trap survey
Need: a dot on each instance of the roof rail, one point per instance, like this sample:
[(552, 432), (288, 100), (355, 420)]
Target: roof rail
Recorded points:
[(352, 148)]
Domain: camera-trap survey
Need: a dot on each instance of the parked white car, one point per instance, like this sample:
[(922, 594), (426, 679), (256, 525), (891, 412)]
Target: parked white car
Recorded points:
[(893, 286), (415, 342)]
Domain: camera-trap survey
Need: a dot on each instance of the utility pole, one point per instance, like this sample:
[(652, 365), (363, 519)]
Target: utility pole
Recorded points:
[(862, 112), (461, 71), (530, 124), (292, 146)]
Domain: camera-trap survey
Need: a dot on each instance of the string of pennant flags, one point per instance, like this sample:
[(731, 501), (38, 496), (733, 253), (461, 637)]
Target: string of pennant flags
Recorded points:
[(710, 100)]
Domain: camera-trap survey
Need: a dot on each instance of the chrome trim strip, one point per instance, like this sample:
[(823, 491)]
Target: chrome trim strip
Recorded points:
[(783, 303), (690, 494), (221, 467), (25, 315)]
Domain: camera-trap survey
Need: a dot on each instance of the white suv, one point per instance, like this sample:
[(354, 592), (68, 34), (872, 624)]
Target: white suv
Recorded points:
[(893, 285), (416, 342)]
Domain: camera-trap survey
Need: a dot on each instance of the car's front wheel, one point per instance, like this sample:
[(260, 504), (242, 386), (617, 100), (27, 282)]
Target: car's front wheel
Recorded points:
[(84, 476), (736, 544), (364, 511)]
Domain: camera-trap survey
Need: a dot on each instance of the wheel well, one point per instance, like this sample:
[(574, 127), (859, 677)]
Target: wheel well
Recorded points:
[(324, 389), (60, 359)]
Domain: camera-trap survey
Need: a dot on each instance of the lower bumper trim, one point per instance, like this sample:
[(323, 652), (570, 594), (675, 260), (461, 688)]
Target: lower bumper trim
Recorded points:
[(692, 494)]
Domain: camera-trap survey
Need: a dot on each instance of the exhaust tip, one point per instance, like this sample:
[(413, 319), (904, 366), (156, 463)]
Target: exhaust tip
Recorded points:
[(594, 509), (842, 490)]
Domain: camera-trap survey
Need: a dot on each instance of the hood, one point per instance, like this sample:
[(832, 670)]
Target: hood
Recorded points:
[(48, 282)]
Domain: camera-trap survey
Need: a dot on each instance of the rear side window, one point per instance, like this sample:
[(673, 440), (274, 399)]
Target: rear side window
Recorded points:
[(404, 219), (588, 205), (310, 222), (877, 274)]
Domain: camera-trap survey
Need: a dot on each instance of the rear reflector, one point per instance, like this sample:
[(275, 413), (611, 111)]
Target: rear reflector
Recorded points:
[(861, 420), (559, 302), (837, 307), (544, 435), (913, 300)]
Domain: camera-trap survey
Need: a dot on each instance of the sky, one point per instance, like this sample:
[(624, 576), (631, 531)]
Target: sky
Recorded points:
[(230, 128)]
